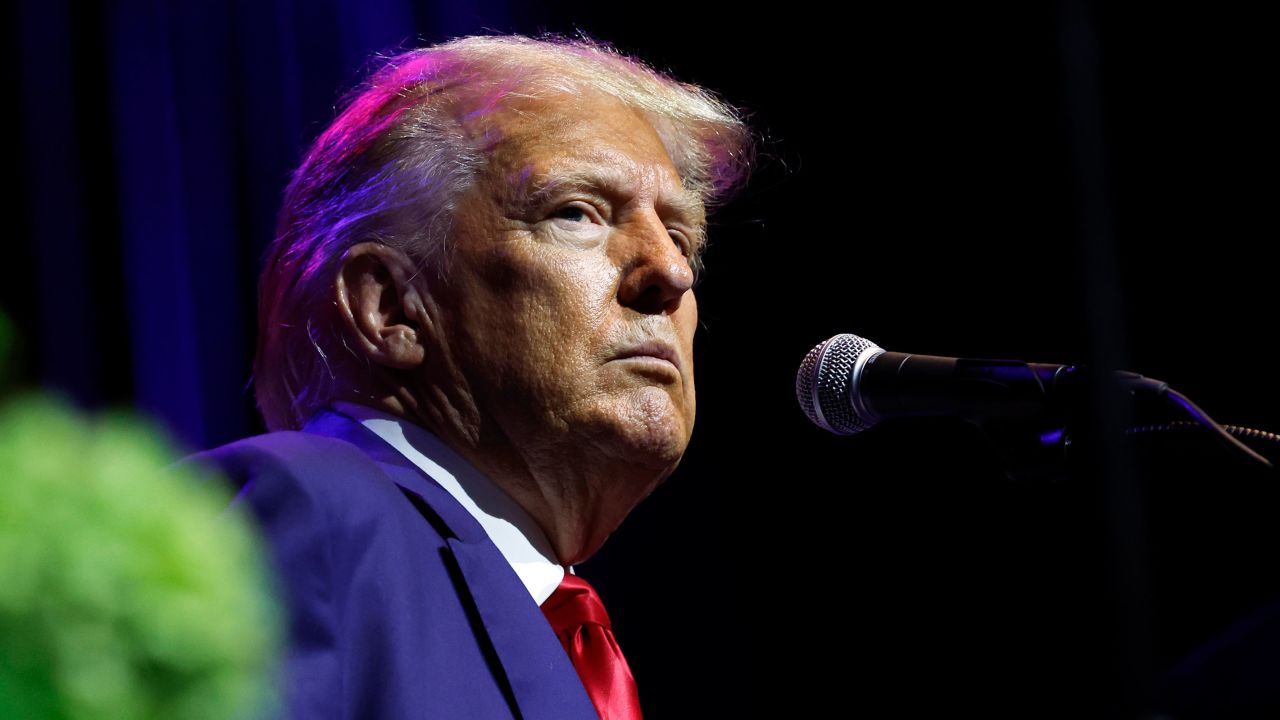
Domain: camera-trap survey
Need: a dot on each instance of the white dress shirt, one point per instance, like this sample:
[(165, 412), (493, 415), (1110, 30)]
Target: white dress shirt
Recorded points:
[(517, 536)]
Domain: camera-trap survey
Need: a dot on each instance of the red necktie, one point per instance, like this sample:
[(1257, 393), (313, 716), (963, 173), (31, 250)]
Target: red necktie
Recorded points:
[(579, 620)]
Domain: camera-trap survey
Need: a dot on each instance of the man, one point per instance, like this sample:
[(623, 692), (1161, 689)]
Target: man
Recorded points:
[(479, 312)]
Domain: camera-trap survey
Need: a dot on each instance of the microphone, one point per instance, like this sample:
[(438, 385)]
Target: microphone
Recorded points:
[(847, 384)]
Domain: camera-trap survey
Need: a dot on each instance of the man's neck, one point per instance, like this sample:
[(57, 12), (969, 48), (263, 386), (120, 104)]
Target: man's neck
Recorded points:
[(515, 533)]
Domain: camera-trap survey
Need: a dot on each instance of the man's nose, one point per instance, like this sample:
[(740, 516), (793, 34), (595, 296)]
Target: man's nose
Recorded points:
[(655, 271)]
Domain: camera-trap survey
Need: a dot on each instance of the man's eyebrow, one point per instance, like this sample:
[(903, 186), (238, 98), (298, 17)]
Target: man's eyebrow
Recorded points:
[(533, 191)]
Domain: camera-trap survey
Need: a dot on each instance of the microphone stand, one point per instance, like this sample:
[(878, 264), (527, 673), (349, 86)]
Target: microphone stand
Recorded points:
[(1046, 447)]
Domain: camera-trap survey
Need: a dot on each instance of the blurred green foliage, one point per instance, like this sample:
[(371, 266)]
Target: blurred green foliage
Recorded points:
[(125, 590)]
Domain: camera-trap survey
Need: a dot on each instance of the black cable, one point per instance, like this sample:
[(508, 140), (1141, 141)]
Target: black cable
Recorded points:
[(1188, 426), (1226, 434)]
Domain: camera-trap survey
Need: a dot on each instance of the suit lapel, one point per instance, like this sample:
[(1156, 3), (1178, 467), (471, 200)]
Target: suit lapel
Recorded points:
[(540, 675), (542, 678)]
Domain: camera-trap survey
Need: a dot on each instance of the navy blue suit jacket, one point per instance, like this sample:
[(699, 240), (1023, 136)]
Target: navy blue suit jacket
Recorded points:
[(399, 605)]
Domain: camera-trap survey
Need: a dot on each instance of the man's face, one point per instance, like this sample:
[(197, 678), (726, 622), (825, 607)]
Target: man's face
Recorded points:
[(569, 309)]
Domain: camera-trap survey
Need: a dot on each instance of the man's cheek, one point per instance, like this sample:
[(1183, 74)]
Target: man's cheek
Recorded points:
[(585, 275)]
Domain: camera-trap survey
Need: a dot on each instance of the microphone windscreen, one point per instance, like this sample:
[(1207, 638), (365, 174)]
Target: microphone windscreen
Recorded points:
[(824, 384)]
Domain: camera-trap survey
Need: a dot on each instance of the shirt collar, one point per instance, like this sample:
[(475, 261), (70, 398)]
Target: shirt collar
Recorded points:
[(508, 525)]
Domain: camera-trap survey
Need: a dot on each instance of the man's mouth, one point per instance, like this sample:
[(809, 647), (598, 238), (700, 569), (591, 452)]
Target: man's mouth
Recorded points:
[(651, 351)]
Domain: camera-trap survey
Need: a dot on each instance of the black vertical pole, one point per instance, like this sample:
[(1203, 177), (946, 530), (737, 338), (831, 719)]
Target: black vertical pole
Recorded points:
[(1104, 465)]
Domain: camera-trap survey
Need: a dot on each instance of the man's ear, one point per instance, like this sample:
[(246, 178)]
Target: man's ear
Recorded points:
[(381, 310)]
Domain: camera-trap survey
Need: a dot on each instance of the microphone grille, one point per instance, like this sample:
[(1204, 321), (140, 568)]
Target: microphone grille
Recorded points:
[(825, 381)]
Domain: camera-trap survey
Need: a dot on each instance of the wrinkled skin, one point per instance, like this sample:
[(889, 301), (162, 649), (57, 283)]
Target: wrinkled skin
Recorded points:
[(558, 355)]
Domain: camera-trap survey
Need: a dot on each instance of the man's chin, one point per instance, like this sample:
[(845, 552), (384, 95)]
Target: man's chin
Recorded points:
[(655, 431)]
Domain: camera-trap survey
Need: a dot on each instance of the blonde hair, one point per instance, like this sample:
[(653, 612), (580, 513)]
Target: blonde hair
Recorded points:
[(396, 159)]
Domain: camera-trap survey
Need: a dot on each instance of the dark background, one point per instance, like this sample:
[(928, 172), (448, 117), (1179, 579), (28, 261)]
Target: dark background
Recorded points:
[(1063, 182)]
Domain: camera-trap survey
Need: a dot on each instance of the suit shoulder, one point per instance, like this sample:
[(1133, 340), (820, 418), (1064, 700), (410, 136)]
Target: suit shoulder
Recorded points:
[(286, 451), (294, 466)]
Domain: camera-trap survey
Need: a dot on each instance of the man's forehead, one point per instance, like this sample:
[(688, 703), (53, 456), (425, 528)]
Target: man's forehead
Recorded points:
[(542, 145)]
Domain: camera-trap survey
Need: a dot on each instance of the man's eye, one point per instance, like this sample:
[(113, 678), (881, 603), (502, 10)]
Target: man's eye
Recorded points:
[(573, 213), (685, 248)]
